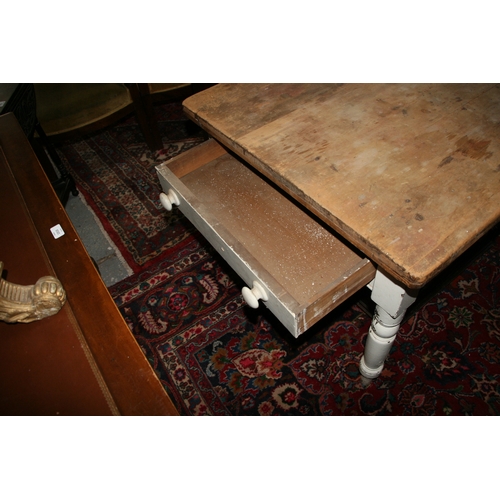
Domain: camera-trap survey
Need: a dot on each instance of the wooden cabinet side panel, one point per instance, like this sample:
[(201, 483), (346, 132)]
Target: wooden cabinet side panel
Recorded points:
[(130, 378)]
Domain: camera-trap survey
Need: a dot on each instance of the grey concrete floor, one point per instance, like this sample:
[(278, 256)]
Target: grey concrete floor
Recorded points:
[(111, 265)]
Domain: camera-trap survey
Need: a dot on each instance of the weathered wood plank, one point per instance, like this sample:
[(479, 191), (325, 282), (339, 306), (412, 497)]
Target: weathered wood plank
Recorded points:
[(408, 173)]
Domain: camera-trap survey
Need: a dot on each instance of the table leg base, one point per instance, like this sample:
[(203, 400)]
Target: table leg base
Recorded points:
[(391, 301), (369, 373)]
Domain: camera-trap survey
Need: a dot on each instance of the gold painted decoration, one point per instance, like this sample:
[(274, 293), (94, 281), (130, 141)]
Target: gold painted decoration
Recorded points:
[(24, 304)]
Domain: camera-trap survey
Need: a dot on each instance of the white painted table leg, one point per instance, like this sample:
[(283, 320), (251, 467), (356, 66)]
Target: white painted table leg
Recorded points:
[(392, 300)]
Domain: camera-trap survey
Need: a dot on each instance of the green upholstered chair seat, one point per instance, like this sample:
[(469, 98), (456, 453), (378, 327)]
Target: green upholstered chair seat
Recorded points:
[(66, 110), (64, 107)]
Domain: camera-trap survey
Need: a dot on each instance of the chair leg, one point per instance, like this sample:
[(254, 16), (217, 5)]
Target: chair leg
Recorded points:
[(64, 184), (146, 118)]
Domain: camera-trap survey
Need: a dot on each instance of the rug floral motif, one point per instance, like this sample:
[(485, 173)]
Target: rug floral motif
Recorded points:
[(216, 356)]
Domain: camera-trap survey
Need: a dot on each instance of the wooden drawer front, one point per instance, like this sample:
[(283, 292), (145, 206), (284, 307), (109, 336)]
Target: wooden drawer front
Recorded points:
[(264, 236)]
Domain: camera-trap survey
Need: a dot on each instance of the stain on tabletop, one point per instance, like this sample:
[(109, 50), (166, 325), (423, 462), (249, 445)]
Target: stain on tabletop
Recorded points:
[(476, 149), (473, 148), (445, 161)]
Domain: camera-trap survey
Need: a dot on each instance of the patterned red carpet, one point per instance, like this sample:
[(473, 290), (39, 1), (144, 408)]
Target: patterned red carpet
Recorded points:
[(215, 356), (115, 171)]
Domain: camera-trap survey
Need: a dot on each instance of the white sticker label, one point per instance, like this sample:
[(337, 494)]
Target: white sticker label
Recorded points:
[(57, 231)]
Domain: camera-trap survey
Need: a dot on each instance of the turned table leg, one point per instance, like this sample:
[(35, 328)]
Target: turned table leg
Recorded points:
[(392, 300)]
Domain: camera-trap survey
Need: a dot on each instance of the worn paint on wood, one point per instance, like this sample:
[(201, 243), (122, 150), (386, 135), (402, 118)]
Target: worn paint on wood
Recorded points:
[(306, 269)]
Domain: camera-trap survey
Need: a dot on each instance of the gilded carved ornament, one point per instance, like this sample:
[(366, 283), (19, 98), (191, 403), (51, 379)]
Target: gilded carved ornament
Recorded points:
[(24, 304)]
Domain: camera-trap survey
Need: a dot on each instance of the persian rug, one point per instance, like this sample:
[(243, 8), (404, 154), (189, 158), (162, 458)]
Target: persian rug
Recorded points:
[(115, 172), (216, 356)]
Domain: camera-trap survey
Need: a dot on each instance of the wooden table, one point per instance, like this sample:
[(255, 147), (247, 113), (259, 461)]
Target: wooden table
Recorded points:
[(83, 360), (408, 174)]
